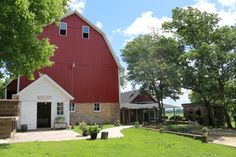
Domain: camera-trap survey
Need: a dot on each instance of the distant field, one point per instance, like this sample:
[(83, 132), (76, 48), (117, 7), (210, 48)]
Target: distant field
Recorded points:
[(170, 113)]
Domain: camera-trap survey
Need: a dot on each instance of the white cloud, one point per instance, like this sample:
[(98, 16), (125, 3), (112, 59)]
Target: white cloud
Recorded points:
[(144, 24), (227, 16), (227, 3), (99, 24), (204, 5), (78, 5)]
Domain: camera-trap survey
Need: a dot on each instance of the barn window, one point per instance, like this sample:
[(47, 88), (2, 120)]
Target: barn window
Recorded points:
[(85, 32), (97, 107), (72, 107), (63, 28), (60, 108)]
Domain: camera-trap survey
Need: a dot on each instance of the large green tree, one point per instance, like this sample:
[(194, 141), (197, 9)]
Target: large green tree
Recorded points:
[(152, 63), (209, 59), (21, 22)]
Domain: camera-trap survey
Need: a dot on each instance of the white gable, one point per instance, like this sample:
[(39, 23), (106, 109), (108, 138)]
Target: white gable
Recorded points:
[(42, 89)]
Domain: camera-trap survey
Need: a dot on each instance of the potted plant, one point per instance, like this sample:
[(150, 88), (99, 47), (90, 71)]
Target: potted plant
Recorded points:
[(59, 122), (93, 131), (205, 131), (84, 127)]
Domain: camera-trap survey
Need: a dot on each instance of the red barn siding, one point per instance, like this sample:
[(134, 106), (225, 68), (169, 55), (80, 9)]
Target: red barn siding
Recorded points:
[(95, 75)]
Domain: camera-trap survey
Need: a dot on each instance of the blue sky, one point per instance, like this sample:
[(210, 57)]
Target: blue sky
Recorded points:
[(123, 20)]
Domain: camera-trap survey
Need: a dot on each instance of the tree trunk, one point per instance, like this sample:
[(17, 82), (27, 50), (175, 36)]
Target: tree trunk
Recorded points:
[(227, 118), (160, 114), (212, 120)]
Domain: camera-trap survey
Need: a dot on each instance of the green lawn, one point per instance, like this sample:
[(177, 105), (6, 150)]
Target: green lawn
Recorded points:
[(136, 143), (106, 126)]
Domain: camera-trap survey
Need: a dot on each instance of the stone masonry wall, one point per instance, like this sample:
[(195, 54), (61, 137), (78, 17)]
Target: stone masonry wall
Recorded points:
[(109, 113)]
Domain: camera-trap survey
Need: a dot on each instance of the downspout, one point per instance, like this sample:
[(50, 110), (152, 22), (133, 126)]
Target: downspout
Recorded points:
[(18, 85), (5, 93)]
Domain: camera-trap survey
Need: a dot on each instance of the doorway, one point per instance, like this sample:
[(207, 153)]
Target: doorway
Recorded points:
[(43, 115)]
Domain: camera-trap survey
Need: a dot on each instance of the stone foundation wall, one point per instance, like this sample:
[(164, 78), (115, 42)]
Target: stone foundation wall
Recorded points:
[(109, 113)]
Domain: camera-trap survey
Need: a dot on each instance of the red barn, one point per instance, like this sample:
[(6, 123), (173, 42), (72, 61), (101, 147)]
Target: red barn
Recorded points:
[(85, 66)]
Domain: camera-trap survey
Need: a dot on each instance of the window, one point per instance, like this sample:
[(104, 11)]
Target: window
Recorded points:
[(72, 107), (97, 107), (63, 28), (60, 108), (85, 31)]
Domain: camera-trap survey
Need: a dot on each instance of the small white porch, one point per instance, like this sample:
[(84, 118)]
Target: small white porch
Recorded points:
[(42, 102)]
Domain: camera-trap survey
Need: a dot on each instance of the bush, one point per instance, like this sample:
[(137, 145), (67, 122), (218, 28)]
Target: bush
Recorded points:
[(84, 127), (177, 117), (182, 128), (93, 131), (117, 123), (136, 124), (162, 130), (60, 120)]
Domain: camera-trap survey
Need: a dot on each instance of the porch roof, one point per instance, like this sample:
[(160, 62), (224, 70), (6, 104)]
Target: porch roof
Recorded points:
[(145, 106)]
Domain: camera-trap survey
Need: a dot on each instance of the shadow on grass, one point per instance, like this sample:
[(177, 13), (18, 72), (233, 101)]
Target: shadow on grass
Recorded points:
[(5, 146)]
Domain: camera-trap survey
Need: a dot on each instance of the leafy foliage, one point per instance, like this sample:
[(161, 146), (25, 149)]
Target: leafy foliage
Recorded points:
[(21, 22), (209, 59), (152, 63)]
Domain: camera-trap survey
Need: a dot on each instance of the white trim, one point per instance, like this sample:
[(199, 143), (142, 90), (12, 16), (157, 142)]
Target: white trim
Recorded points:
[(74, 107), (83, 32), (119, 83), (99, 31), (60, 29), (99, 107), (44, 76)]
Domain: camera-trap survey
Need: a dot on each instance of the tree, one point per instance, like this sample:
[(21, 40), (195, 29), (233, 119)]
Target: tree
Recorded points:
[(209, 59), (122, 77), (152, 63), (21, 22)]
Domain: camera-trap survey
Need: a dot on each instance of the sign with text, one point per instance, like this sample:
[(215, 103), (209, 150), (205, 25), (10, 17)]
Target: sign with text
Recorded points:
[(44, 97)]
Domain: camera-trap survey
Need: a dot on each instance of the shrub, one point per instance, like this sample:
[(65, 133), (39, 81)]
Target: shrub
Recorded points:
[(60, 120), (182, 128), (117, 123), (205, 131), (162, 130), (136, 124), (84, 127), (177, 117), (94, 130)]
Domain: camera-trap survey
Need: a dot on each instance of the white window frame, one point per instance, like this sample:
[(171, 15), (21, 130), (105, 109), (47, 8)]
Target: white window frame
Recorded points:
[(83, 32), (60, 110), (60, 29), (94, 107), (74, 107)]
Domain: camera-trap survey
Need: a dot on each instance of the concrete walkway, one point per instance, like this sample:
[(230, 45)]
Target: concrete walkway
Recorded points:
[(228, 141), (59, 135)]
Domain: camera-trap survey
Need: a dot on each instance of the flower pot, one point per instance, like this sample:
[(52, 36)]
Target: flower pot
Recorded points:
[(205, 134), (93, 136)]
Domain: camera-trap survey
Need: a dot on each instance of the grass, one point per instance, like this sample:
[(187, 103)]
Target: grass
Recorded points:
[(106, 126), (136, 143)]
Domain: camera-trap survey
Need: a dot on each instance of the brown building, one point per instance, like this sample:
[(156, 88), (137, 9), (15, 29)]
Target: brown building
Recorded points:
[(199, 113), (139, 106)]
